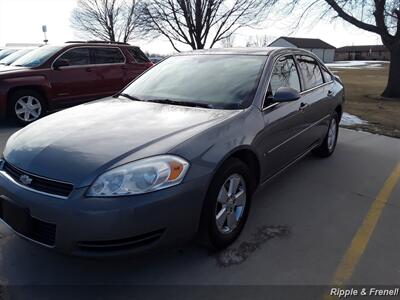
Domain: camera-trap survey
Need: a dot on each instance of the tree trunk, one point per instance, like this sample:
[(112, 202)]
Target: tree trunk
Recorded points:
[(393, 86)]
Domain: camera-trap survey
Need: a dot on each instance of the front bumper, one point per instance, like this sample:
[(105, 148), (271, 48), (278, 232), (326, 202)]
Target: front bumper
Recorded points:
[(86, 226)]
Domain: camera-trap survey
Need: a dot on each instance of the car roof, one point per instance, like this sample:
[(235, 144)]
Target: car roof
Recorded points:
[(95, 43), (240, 51)]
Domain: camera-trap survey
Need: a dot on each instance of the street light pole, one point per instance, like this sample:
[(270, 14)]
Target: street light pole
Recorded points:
[(44, 29)]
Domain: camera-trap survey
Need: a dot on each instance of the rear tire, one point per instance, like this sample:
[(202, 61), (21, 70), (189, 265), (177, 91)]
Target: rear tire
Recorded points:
[(26, 106), (328, 146), (226, 207)]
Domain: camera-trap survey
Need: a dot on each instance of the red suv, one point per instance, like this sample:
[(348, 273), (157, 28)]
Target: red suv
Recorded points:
[(53, 77)]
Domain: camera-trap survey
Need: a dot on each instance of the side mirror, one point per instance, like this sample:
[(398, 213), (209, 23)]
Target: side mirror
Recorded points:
[(60, 63), (286, 94)]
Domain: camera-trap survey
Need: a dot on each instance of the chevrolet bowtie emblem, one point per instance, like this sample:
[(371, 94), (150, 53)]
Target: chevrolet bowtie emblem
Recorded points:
[(25, 179)]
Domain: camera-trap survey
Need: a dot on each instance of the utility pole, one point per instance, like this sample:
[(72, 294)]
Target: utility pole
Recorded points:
[(44, 29)]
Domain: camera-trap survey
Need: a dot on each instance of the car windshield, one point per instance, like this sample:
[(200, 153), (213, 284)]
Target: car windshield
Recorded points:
[(217, 81), (6, 52), (13, 57), (36, 57)]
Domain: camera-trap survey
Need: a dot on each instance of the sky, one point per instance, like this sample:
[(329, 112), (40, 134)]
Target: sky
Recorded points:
[(21, 22)]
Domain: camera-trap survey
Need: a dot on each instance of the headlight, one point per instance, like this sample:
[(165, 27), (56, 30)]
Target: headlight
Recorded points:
[(139, 177)]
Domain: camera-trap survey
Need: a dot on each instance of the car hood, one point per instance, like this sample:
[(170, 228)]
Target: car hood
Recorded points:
[(11, 69), (77, 144)]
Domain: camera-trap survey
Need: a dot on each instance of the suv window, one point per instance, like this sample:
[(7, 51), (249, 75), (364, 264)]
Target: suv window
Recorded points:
[(311, 71), (108, 56), (138, 55), (77, 56)]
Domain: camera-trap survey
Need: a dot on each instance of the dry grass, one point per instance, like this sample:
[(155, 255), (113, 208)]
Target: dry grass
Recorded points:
[(363, 88)]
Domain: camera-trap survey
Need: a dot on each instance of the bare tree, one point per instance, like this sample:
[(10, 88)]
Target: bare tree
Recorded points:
[(229, 41), (378, 16), (258, 41), (109, 20), (200, 23)]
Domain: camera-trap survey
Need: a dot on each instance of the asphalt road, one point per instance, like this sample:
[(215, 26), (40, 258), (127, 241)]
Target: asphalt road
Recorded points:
[(300, 229)]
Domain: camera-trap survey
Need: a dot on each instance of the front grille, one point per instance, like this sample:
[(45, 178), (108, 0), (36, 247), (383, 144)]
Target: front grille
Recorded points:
[(39, 183), (122, 244), (38, 230), (43, 232)]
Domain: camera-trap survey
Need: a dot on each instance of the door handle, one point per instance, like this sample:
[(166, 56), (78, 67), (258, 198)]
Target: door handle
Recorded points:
[(330, 93), (88, 69), (303, 106)]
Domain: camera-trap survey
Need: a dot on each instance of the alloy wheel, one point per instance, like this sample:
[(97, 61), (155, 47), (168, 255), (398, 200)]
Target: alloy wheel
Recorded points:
[(28, 108), (231, 202), (332, 134)]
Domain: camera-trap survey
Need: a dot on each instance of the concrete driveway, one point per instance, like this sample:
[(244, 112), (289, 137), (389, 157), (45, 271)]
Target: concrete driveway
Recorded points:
[(323, 221)]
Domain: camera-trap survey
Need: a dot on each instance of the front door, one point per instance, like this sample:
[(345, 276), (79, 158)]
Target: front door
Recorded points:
[(76, 82)]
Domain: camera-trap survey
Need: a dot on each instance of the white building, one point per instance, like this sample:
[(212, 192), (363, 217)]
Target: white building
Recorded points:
[(323, 50)]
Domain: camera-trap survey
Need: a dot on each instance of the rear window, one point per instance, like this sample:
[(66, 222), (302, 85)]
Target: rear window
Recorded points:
[(138, 55), (311, 71), (4, 53), (108, 56)]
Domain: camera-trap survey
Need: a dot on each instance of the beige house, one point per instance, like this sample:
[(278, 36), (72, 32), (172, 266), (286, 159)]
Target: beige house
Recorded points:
[(368, 52), (320, 48)]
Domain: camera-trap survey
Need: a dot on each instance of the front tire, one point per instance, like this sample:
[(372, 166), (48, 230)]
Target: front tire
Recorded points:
[(328, 146), (26, 106), (227, 204)]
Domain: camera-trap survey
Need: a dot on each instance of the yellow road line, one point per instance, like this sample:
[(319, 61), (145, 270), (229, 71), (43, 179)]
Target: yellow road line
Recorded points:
[(364, 233)]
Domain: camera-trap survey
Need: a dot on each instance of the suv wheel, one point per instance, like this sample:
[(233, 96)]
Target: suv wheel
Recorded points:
[(227, 204), (329, 144), (26, 106)]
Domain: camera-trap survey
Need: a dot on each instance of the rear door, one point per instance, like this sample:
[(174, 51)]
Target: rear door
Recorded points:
[(138, 65), (76, 82), (316, 98), (109, 64), (282, 141)]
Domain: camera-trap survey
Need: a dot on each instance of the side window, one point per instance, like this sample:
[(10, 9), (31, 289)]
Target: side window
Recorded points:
[(284, 74), (326, 74), (77, 56), (107, 56), (138, 55), (310, 70)]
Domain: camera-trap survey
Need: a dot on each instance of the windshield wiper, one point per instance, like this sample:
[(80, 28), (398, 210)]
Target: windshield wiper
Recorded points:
[(182, 103), (129, 97)]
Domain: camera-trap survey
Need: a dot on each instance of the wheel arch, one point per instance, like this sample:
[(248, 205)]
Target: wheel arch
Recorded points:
[(339, 111), (36, 88), (247, 155)]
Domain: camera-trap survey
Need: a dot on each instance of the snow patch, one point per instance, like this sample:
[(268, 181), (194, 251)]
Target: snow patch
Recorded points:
[(356, 64), (348, 119)]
